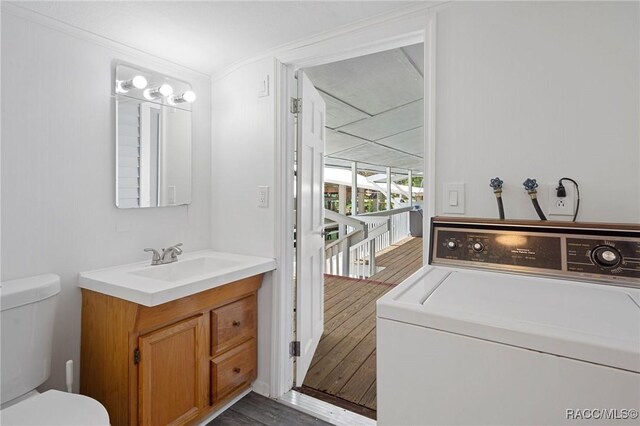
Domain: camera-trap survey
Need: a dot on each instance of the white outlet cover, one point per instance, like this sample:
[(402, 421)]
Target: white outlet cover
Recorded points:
[(564, 206)]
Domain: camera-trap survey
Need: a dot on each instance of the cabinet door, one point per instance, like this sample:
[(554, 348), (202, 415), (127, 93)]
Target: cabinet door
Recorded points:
[(172, 383)]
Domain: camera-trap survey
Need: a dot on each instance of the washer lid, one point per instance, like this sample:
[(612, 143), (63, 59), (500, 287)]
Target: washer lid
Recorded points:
[(55, 408), (590, 322), (14, 293), (593, 323)]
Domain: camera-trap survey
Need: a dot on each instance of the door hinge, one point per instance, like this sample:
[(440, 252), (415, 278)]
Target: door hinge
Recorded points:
[(136, 356), (296, 105), (294, 348)]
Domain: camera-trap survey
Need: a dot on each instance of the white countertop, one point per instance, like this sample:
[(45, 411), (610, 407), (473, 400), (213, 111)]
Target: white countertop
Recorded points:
[(163, 283)]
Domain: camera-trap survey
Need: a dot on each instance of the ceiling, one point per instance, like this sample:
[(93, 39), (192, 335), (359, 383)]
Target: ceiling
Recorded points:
[(375, 109), (208, 36)]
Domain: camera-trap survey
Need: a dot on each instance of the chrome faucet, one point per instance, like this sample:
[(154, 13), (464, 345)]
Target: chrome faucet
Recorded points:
[(169, 255)]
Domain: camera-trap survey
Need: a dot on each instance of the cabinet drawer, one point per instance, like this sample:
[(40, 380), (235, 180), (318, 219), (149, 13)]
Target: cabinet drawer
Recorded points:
[(233, 370), (233, 324)]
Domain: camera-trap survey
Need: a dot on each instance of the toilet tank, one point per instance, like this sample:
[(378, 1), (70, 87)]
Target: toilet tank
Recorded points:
[(27, 311)]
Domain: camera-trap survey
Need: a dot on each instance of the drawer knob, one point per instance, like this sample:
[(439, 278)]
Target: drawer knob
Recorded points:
[(236, 323), (237, 370)]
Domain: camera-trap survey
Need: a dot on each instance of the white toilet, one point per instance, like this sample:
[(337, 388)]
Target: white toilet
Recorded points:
[(27, 315)]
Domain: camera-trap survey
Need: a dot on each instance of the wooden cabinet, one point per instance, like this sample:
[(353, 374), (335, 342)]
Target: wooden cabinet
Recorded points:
[(170, 364), (172, 387)]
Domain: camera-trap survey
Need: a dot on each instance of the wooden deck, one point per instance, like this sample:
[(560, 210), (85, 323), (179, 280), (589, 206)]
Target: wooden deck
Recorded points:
[(343, 369), (399, 261)]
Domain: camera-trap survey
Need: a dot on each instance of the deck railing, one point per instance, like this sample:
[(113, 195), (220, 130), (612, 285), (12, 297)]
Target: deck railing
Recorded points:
[(354, 254)]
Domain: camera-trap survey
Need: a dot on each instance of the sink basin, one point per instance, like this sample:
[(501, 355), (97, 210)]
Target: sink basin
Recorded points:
[(193, 273), (186, 269)]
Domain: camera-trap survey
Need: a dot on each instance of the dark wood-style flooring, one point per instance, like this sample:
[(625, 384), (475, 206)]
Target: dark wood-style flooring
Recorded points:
[(343, 369), (256, 410)]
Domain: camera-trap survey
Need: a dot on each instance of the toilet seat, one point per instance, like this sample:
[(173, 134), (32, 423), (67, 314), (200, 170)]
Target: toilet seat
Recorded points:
[(55, 408)]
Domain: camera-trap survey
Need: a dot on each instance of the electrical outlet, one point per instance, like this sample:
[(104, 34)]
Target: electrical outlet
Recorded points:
[(561, 206), (263, 196)]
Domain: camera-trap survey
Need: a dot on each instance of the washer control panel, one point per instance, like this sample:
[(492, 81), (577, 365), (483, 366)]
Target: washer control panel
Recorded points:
[(555, 249)]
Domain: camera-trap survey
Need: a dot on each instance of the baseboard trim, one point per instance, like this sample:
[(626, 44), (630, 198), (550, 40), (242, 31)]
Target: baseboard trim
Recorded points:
[(224, 408), (261, 388)]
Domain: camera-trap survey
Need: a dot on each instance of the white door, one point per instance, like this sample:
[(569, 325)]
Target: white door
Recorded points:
[(310, 224)]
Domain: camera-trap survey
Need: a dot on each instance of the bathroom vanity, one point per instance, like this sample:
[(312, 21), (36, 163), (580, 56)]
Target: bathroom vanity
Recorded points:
[(178, 361)]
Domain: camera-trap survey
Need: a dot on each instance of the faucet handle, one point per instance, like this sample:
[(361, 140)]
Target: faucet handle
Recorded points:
[(176, 248), (156, 256)]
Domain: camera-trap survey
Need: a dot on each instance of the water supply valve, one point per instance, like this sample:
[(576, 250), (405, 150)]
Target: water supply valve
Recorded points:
[(530, 185), (496, 184)]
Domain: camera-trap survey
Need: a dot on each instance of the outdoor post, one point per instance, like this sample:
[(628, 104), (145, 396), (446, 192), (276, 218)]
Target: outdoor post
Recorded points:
[(354, 188), (410, 188), (372, 257), (388, 194), (342, 208)]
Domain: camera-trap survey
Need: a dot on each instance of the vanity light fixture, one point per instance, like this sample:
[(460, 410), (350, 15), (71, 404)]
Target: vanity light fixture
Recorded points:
[(158, 92), (137, 82), (188, 96)]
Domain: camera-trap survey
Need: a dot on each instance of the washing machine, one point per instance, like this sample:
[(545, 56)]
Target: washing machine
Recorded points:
[(514, 323)]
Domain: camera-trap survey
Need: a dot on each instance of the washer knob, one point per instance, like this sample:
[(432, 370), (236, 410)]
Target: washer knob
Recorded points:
[(452, 245), (478, 247), (606, 256)]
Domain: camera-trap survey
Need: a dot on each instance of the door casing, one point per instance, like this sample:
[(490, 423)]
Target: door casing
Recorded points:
[(410, 26)]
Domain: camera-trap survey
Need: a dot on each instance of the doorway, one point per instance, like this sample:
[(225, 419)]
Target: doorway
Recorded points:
[(372, 203), (408, 27)]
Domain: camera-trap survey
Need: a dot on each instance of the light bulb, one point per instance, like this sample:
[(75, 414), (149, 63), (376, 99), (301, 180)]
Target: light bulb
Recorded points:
[(137, 82), (157, 92), (165, 90), (187, 96)]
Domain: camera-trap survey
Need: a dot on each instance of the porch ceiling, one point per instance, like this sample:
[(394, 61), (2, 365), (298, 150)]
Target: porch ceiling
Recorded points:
[(375, 112)]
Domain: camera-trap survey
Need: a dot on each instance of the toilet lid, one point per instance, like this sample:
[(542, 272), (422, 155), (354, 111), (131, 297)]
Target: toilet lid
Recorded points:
[(55, 408)]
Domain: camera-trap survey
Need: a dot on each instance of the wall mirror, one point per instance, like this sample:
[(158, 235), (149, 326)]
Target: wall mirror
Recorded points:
[(153, 138)]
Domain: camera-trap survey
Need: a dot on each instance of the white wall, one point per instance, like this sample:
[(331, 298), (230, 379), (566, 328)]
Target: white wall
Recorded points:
[(243, 158), (542, 90), (509, 76), (58, 180)]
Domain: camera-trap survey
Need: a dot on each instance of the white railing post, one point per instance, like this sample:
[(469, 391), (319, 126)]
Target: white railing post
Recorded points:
[(354, 188), (342, 208), (346, 256), (388, 194), (410, 185), (372, 257)]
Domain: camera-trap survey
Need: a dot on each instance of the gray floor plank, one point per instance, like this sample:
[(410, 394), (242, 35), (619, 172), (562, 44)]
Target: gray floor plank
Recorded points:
[(232, 418), (258, 410)]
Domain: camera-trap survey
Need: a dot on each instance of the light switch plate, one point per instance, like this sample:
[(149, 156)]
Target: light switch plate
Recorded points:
[(171, 192), (263, 88), (453, 198), (263, 196)]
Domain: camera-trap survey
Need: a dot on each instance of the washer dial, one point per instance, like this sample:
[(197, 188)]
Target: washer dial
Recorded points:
[(478, 247), (606, 256)]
